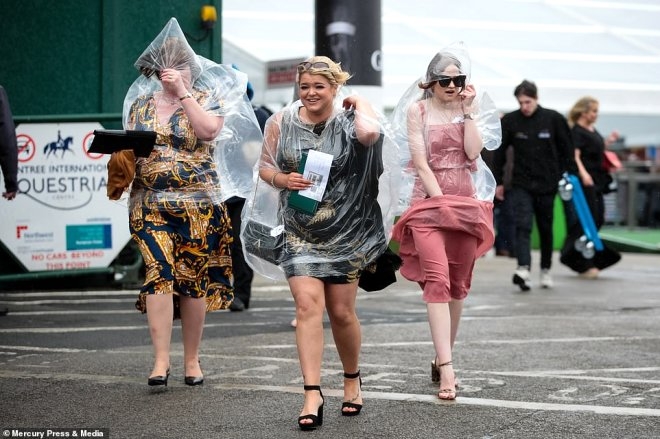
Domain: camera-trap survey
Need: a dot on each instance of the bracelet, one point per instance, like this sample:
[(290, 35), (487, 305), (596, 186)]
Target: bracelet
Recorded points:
[(272, 179), (468, 116), (186, 96)]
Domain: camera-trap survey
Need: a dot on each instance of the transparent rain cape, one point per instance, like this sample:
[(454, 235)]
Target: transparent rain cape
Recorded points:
[(416, 125), (220, 168), (354, 218)]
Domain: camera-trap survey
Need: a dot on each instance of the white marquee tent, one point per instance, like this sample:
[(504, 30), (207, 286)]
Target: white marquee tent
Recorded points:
[(570, 48)]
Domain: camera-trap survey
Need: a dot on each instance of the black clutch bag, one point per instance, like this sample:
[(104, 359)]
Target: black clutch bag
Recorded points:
[(258, 241), (109, 141), (382, 273)]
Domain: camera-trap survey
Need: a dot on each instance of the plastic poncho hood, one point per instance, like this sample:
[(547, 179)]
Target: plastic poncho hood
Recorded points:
[(237, 146)]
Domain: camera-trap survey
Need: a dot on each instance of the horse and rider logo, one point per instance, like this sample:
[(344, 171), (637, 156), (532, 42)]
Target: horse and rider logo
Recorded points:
[(59, 145)]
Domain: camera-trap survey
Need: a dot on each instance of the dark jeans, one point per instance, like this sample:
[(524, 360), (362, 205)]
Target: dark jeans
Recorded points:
[(526, 207), (243, 274), (505, 238)]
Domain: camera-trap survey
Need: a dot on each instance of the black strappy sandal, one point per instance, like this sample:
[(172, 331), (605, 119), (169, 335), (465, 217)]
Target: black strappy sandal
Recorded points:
[(350, 404), (317, 419)]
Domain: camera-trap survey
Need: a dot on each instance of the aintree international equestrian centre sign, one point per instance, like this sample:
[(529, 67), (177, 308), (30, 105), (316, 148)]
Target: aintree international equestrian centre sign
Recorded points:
[(61, 218)]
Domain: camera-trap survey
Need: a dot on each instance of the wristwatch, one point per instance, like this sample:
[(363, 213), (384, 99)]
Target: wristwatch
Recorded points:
[(468, 116), (186, 96)]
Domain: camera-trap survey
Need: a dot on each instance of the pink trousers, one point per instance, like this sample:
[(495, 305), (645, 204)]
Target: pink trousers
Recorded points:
[(447, 260)]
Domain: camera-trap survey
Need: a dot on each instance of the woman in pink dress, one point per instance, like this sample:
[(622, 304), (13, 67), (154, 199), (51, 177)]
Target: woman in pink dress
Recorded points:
[(449, 223)]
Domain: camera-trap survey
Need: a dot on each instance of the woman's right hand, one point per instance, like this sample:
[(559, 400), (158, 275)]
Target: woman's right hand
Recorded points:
[(499, 192), (173, 82), (296, 182)]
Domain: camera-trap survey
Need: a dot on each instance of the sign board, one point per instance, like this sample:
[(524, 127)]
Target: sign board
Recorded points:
[(282, 73), (61, 218)]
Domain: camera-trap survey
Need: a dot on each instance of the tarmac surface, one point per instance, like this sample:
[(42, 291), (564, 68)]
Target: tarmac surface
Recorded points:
[(580, 360)]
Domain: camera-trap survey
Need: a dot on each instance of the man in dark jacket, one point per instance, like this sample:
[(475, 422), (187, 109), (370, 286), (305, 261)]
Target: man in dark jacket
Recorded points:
[(8, 148), (542, 152)]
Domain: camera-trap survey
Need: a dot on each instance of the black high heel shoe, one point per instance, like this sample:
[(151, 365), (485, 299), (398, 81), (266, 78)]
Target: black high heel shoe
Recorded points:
[(193, 380), (317, 420), (159, 380), (350, 404)]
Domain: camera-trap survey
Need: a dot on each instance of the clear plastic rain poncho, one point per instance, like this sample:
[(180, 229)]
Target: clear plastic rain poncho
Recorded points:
[(191, 168), (350, 226), (425, 124)]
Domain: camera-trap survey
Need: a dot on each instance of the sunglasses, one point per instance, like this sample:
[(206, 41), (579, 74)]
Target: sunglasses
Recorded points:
[(459, 81), (304, 66), (149, 72)]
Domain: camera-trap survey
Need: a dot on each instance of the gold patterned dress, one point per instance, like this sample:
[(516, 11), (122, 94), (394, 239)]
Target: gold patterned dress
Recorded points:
[(176, 214)]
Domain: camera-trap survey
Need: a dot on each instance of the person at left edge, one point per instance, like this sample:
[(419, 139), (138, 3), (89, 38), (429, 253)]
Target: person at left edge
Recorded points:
[(8, 148), (176, 213)]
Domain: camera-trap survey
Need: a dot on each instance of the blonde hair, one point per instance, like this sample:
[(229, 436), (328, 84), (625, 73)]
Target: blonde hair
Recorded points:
[(582, 106), (333, 73)]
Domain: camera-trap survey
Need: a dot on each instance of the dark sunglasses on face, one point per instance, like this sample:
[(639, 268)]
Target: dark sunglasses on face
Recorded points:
[(459, 81), (304, 66), (148, 72)]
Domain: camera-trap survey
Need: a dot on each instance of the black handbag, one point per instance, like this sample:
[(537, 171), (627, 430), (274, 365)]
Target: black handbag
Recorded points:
[(258, 241), (382, 273)]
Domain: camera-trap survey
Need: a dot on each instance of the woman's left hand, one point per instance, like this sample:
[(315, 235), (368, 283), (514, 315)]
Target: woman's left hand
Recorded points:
[(586, 179), (367, 127), (612, 138), (350, 102), (467, 97)]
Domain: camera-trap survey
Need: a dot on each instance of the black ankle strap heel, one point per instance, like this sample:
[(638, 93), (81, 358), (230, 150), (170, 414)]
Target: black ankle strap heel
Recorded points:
[(350, 404), (317, 420)]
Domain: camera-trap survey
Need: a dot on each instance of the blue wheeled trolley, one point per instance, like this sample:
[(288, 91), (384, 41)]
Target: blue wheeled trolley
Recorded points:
[(583, 248), (589, 243)]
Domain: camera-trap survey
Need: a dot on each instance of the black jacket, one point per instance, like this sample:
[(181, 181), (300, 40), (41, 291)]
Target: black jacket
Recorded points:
[(542, 150), (8, 147)]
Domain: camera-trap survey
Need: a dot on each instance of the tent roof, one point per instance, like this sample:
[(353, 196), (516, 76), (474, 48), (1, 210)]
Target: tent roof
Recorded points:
[(570, 48)]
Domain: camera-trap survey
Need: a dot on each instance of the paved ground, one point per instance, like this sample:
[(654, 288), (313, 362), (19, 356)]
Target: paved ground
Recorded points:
[(579, 361)]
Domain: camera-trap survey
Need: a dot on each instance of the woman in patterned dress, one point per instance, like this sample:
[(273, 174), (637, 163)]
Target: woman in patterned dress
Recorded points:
[(176, 212)]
